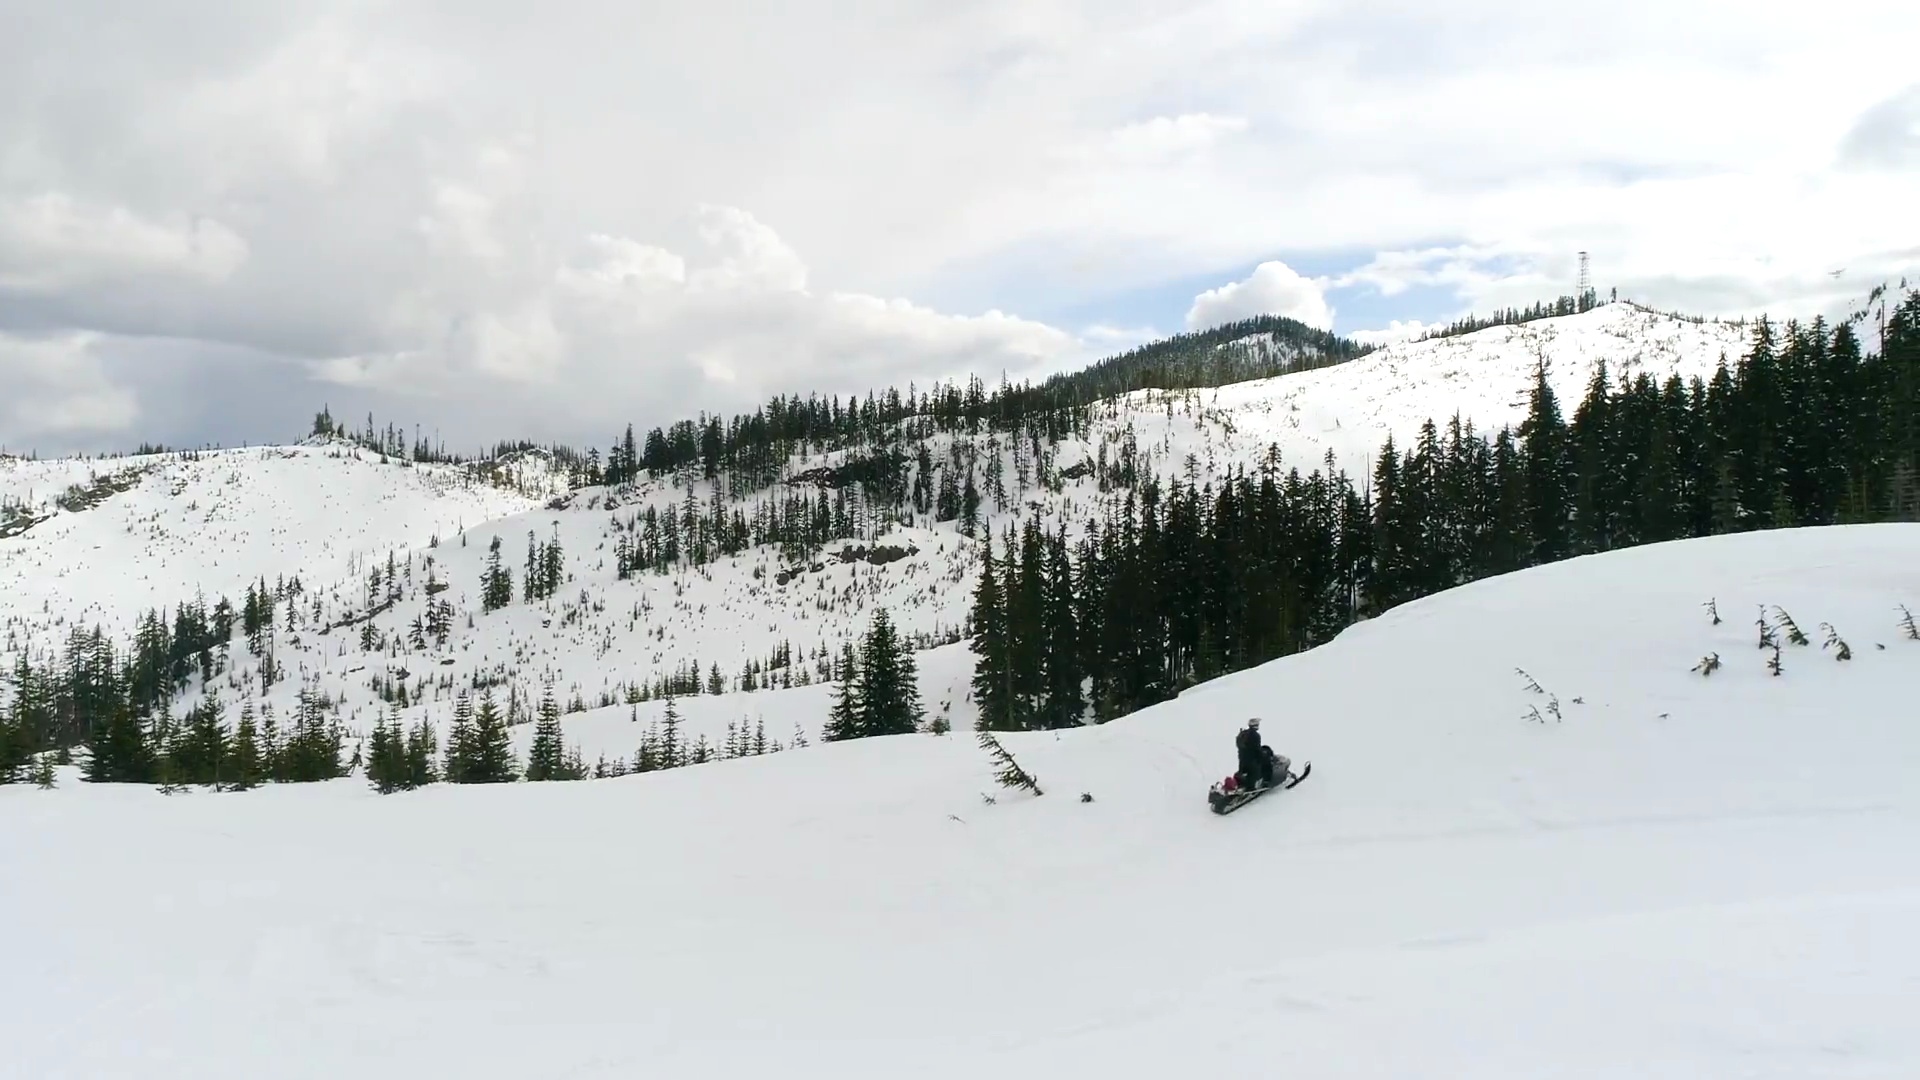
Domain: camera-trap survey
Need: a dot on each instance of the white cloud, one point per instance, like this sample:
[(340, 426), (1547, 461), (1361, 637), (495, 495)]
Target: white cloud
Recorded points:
[(52, 241), (1274, 288), (461, 222), (1395, 332), (756, 258), (1110, 340), (313, 179), (1167, 136), (57, 387), (624, 322), (1886, 136)]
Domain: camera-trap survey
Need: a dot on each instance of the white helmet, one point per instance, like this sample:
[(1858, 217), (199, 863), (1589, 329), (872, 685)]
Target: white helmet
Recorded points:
[(1254, 723)]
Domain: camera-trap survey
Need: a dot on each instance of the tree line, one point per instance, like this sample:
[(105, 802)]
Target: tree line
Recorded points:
[(1573, 304), (751, 450), (1180, 583)]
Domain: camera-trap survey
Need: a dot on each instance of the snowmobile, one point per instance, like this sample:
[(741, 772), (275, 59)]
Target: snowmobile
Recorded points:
[(1238, 790)]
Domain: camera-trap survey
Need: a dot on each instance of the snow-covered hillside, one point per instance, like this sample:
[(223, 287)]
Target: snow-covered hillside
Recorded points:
[(332, 517), (1635, 870), (1350, 409), (151, 531)]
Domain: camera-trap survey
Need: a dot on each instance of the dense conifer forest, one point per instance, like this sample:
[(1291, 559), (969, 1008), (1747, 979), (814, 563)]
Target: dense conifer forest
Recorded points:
[(1182, 583)]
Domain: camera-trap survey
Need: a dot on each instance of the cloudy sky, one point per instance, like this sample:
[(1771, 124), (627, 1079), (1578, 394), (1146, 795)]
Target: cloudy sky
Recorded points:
[(499, 219)]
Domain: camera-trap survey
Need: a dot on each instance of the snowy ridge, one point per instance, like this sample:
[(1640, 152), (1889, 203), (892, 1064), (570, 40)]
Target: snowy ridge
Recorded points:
[(1350, 409), (1683, 874), (330, 514)]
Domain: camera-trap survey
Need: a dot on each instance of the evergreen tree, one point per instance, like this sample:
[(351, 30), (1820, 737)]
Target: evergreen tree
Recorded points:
[(200, 749), (671, 751), (1025, 585), (387, 756), (461, 736), (1061, 672), (421, 750), (244, 769), (313, 747), (496, 582), (889, 691), (992, 669), (547, 758), (119, 750), (492, 747), (15, 751), (1544, 437), (843, 720)]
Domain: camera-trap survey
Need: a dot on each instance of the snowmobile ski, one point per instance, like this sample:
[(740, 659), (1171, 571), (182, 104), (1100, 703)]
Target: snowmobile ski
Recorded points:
[(1224, 803)]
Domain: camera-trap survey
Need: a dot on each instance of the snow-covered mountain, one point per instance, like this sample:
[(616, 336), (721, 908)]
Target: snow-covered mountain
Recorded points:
[(1541, 837), (102, 541)]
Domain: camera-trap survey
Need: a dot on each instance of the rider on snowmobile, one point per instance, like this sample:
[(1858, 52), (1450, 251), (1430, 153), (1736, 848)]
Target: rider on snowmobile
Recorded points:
[(1256, 758), (1259, 766)]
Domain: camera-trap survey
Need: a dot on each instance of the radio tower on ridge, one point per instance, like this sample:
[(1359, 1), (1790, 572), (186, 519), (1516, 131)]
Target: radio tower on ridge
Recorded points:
[(1586, 279)]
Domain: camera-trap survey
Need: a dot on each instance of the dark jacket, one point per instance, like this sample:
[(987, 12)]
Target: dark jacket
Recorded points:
[(1250, 747)]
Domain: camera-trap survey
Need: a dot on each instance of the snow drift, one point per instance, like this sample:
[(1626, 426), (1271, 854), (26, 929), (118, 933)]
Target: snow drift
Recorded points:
[(1680, 875)]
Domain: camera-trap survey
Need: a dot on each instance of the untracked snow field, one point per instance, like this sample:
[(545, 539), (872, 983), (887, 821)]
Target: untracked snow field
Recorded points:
[(1682, 875)]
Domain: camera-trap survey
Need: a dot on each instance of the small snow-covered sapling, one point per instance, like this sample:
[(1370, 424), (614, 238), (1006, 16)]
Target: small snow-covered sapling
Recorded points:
[(1794, 635), (1834, 641)]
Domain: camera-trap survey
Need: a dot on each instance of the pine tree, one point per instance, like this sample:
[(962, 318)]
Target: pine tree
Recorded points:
[(969, 506), (492, 747), (273, 758), (1544, 437), (992, 668), (531, 578), (547, 758), (244, 769), (1025, 584), (496, 582), (843, 720), (420, 751), (670, 754), (387, 756), (1008, 772), (1060, 663), (119, 749), (15, 752), (313, 747), (552, 568), (203, 749), (460, 751), (889, 691)]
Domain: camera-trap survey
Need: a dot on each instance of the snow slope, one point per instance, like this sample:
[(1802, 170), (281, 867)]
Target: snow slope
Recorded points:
[(1684, 876), (220, 522), (1350, 409)]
